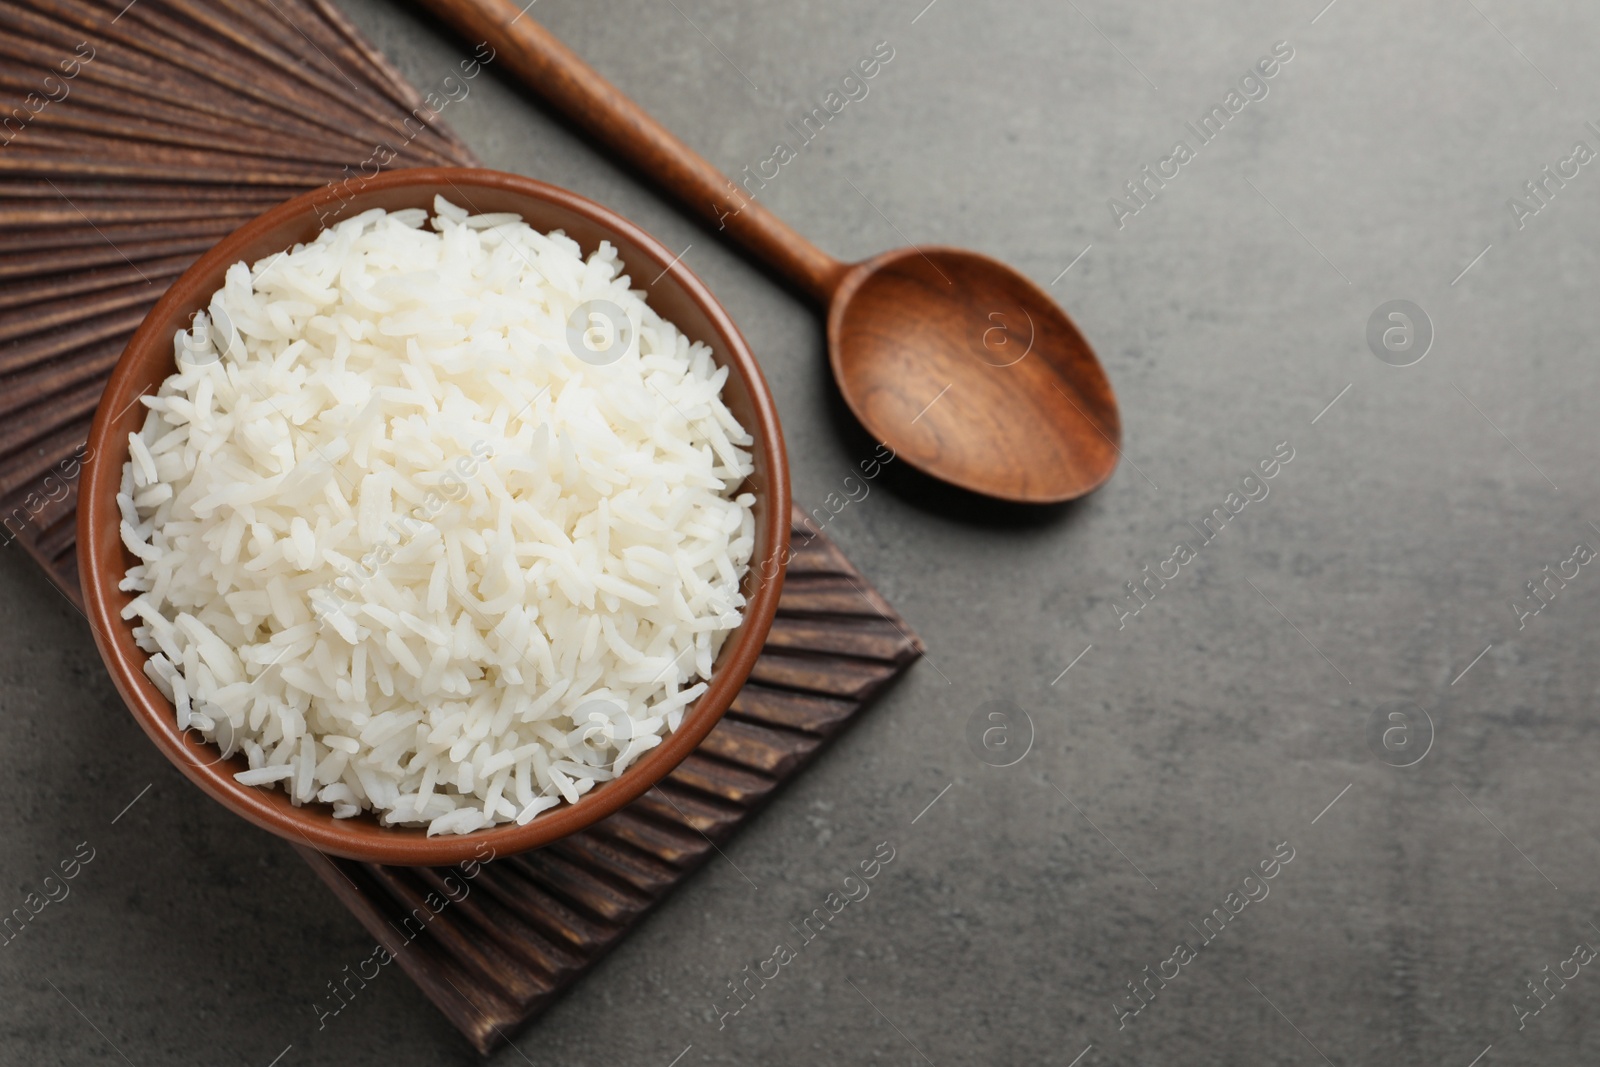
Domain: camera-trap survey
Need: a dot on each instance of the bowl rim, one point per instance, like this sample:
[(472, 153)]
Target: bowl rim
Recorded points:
[(102, 557)]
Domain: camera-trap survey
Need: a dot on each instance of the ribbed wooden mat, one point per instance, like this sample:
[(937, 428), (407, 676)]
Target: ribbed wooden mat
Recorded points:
[(153, 130)]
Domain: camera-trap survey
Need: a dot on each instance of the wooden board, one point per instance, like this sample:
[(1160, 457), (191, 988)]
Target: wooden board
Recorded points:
[(153, 130)]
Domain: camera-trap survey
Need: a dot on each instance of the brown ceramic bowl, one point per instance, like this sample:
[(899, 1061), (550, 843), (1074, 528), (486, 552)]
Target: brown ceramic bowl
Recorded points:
[(676, 293)]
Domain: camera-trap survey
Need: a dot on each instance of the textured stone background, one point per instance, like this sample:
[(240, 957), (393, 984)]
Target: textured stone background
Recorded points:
[(1216, 725)]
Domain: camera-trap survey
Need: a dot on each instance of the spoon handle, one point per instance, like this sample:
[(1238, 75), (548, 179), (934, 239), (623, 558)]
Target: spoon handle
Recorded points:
[(556, 74)]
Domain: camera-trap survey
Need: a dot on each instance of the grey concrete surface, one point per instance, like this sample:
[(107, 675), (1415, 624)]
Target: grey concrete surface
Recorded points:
[(1188, 742)]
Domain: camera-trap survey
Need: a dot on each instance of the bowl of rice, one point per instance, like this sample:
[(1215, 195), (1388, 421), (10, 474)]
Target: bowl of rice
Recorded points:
[(431, 514)]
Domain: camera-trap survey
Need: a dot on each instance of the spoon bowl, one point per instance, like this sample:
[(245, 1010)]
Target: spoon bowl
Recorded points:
[(970, 372)]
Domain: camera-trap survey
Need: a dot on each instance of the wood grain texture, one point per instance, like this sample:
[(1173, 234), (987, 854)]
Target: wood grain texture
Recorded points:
[(192, 117)]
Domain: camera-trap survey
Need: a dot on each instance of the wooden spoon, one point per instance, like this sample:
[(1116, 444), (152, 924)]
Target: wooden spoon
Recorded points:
[(964, 367)]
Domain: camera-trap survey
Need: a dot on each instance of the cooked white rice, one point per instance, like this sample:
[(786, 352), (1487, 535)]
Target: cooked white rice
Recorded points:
[(406, 550)]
